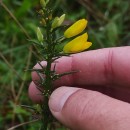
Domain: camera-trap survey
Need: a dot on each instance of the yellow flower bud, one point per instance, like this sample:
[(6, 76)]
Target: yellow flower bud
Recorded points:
[(43, 3), (55, 22), (41, 12), (39, 35), (43, 22), (61, 19), (47, 1), (78, 44), (76, 28), (58, 21)]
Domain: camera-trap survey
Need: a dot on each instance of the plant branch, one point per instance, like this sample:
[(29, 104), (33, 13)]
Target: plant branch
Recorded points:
[(25, 123)]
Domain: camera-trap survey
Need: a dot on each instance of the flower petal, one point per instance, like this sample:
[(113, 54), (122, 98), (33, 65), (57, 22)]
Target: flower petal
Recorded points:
[(76, 45), (76, 28), (86, 45)]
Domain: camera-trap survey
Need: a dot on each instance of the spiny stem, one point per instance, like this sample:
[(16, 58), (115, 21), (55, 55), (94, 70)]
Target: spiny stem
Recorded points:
[(46, 114)]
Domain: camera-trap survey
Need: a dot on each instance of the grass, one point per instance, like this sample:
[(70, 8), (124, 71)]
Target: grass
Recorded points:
[(108, 27)]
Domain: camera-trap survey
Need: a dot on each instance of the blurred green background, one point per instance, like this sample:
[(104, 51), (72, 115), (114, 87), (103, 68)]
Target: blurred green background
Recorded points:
[(109, 25)]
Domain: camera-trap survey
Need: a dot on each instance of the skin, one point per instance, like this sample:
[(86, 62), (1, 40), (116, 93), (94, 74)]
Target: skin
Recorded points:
[(95, 98)]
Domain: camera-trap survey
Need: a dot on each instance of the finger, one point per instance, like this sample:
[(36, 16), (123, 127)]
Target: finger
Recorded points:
[(34, 93), (81, 109), (62, 65), (98, 67), (112, 91)]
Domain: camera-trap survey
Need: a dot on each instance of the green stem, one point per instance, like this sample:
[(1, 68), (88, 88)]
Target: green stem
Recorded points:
[(46, 114), (48, 76)]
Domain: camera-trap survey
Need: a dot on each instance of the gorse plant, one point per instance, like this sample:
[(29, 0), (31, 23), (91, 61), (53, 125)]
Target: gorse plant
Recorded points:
[(47, 47)]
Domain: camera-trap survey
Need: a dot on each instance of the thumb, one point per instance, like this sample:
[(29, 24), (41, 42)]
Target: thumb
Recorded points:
[(81, 109)]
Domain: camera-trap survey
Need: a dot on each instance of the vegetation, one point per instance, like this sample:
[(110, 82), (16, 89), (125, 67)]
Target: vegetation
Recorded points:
[(108, 27)]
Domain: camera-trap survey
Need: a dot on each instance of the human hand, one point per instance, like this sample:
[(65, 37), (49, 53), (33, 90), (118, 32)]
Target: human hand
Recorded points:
[(105, 70)]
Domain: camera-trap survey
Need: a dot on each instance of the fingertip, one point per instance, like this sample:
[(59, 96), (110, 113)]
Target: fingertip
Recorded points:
[(34, 74), (57, 101), (82, 109), (40, 65), (34, 94), (59, 97), (63, 65)]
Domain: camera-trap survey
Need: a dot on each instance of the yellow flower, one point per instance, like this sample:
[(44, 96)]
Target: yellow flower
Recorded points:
[(76, 28), (78, 44)]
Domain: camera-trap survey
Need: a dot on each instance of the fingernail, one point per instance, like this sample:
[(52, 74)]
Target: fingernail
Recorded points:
[(59, 97)]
